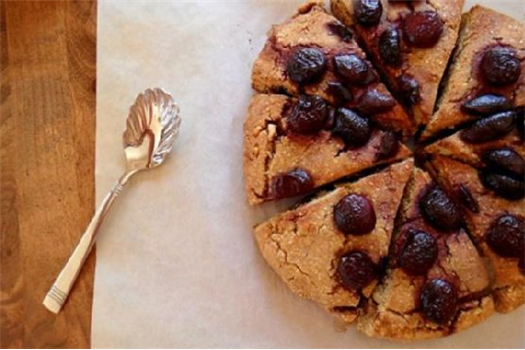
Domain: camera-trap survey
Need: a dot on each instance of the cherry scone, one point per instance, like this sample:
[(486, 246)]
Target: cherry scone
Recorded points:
[(414, 223)]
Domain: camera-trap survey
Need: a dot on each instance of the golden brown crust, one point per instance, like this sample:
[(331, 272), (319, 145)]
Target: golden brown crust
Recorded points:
[(481, 27), (267, 154), (427, 66), (393, 311), (260, 134), (509, 282), (473, 313), (310, 28), (453, 146), (388, 324), (509, 298), (303, 245)]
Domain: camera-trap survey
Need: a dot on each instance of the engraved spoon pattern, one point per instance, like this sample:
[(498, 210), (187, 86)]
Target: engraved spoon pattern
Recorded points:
[(151, 128)]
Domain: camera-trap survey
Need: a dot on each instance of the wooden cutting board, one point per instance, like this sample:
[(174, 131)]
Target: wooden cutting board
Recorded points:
[(47, 183)]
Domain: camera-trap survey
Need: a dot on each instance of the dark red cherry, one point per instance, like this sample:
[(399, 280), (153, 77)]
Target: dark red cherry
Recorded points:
[(307, 115), (506, 236), (306, 65), (408, 89), (356, 270), (486, 104), (503, 185), (353, 69), (489, 128), (373, 102), (352, 128), (390, 46), (439, 210), (340, 92), (388, 146), (368, 12), (500, 66), (418, 253), (291, 184), (355, 215), (505, 160), (422, 29), (439, 301)]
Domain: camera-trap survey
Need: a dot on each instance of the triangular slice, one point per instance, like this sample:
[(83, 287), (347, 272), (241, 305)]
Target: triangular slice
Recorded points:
[(331, 249), (508, 148), (436, 282), (409, 41), (486, 75), (284, 158), (496, 223), (313, 53)]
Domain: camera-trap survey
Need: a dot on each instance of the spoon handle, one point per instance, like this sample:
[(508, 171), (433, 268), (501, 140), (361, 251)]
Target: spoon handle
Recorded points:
[(58, 293)]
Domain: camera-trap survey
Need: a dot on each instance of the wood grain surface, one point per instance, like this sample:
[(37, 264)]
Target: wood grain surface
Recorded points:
[(47, 188)]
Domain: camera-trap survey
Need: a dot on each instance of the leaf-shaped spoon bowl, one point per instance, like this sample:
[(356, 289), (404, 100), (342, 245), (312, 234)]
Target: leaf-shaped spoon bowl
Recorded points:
[(151, 128), (153, 116)]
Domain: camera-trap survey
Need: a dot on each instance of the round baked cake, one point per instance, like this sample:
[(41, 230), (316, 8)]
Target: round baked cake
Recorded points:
[(405, 242)]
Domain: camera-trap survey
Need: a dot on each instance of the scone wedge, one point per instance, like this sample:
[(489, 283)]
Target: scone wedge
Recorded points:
[(486, 75), (409, 41), (495, 214), (331, 249), (281, 161), (436, 283)]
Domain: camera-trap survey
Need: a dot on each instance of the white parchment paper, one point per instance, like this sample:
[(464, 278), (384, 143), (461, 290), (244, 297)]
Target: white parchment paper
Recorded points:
[(176, 262)]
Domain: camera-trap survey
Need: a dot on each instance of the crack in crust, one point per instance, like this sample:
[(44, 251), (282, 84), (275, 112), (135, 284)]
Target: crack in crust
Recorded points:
[(412, 326), (303, 245)]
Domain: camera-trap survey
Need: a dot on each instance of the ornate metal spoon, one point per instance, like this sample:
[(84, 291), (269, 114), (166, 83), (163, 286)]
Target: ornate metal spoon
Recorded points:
[(151, 128)]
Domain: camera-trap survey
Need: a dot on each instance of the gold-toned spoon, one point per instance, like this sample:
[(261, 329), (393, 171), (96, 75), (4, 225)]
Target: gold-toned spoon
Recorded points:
[(151, 128)]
